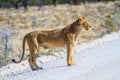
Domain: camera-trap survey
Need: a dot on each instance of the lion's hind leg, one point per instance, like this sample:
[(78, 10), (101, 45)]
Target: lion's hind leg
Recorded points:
[(32, 63), (33, 47)]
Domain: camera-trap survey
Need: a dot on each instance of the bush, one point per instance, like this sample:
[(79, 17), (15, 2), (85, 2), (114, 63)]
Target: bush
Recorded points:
[(6, 35)]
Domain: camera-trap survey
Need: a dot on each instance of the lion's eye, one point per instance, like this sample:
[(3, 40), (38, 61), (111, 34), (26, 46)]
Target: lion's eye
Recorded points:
[(83, 17)]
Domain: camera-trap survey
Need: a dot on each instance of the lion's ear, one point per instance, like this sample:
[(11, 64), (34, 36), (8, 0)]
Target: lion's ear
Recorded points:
[(81, 17)]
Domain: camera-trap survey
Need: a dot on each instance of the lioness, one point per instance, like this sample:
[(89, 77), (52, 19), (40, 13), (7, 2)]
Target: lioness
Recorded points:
[(65, 37)]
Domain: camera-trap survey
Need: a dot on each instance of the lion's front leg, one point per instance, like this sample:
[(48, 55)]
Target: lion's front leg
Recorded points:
[(70, 49), (70, 55)]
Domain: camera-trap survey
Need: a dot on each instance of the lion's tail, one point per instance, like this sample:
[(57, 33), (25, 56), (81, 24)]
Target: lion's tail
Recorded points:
[(24, 40)]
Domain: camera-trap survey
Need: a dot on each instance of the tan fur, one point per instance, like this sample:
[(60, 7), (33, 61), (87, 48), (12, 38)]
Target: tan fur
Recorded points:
[(65, 37)]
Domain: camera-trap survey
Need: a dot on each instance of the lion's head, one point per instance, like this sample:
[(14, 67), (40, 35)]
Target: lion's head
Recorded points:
[(84, 23)]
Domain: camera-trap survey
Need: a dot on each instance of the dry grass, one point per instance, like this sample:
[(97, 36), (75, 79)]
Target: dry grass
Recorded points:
[(50, 17)]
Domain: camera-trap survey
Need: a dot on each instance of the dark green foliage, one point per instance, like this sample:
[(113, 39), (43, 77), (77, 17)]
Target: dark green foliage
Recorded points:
[(25, 3), (47, 1)]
